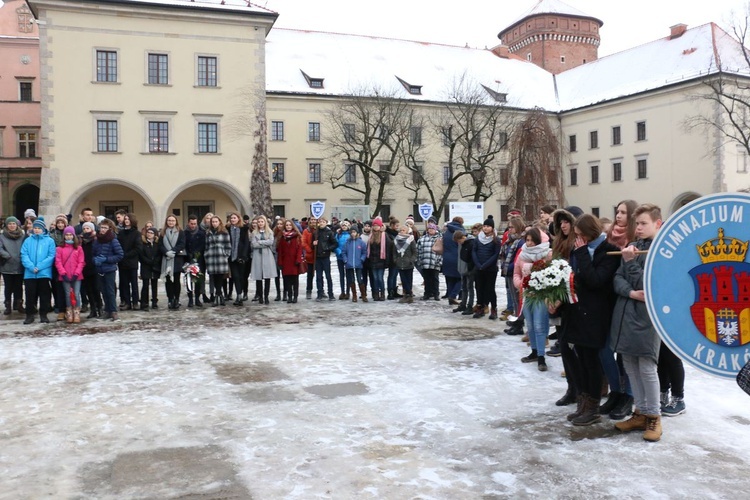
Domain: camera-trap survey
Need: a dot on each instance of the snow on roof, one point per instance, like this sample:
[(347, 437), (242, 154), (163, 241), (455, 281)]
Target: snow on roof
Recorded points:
[(552, 7), (347, 63), (224, 5), (651, 66)]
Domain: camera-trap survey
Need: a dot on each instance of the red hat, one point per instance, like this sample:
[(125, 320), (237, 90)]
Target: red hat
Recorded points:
[(377, 221)]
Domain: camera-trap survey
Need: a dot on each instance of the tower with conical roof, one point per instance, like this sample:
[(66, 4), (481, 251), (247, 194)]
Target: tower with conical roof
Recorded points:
[(554, 35)]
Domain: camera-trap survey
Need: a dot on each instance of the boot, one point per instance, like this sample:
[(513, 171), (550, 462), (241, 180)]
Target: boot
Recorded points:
[(363, 292), (409, 298), (61, 316), (590, 414), (635, 423), (222, 301), (43, 318), (612, 401), (29, 319), (342, 296), (493, 314), (154, 304), (76, 315), (257, 296), (579, 408), (403, 300), (114, 317), (653, 428), (623, 409), (265, 296), (7, 310), (215, 302), (353, 289), (308, 295), (18, 306), (568, 398), (68, 314), (92, 312), (144, 305), (198, 302), (190, 299), (277, 284), (390, 295)]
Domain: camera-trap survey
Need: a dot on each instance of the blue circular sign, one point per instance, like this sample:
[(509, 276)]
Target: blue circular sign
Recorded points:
[(697, 283)]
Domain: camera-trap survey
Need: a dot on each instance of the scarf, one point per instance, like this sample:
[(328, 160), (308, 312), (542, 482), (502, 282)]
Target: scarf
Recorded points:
[(618, 236), (535, 253), (14, 235), (484, 239), (382, 246), (288, 235), (402, 243), (234, 234), (593, 244), (170, 240), (106, 237)]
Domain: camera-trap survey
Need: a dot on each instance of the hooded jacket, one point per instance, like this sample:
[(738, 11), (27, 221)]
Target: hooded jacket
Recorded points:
[(38, 251)]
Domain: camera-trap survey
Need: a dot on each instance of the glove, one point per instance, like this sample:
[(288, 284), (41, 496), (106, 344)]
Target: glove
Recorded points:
[(99, 260), (74, 278), (65, 278), (170, 254)]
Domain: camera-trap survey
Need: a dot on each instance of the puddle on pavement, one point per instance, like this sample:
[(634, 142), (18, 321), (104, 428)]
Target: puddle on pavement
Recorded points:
[(185, 473), (463, 333), (331, 391), (552, 428), (267, 395), (243, 373), (740, 420), (378, 450)]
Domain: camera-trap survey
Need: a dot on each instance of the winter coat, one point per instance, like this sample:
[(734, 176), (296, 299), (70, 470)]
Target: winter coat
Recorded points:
[(150, 260), (89, 269), (58, 236), (130, 241), (179, 259), (373, 256), (69, 262), (341, 239), (485, 254), (195, 246), (450, 250), (264, 256), (587, 322), (217, 252), (354, 253), (243, 244), (327, 243), (465, 261), (289, 254), (426, 258), (109, 248), (10, 253), (308, 236), (632, 332), (408, 258), (508, 254), (38, 251)]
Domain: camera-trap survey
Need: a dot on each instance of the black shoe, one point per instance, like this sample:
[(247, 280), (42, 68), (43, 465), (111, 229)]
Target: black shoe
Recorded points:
[(29, 320), (93, 313), (198, 302), (237, 302), (144, 307), (265, 302), (514, 331), (7, 310), (257, 298), (444, 296), (459, 309), (530, 358), (554, 351), (467, 312), (278, 298), (553, 335), (153, 305), (397, 295), (244, 297), (43, 319), (331, 297), (568, 398), (623, 408), (320, 299), (390, 296), (478, 314), (612, 400)]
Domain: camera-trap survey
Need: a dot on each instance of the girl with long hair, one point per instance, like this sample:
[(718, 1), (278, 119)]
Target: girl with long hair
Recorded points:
[(264, 260), (240, 250), (218, 252), (289, 255), (172, 249)]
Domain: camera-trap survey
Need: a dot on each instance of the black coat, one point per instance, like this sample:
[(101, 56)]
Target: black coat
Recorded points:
[(327, 242), (130, 241), (89, 269), (195, 246), (587, 322), (243, 247), (150, 258)]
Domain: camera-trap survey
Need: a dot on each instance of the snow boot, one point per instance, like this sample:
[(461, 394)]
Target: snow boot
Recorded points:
[(612, 400), (590, 414), (675, 407), (76, 315), (198, 302), (7, 310), (354, 292), (623, 409), (568, 398), (635, 423), (68, 314), (29, 319), (363, 292), (653, 428), (190, 299), (154, 304), (18, 306), (534, 356), (579, 408), (493, 314)]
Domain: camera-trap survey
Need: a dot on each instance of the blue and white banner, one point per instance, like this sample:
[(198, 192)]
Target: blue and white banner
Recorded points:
[(317, 209), (425, 210)]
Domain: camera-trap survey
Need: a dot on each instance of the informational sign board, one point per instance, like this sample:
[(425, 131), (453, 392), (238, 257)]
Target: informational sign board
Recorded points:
[(471, 211), (317, 209), (359, 213), (425, 210), (697, 283)]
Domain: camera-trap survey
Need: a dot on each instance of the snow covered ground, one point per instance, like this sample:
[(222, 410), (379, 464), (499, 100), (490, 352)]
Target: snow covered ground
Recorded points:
[(331, 400)]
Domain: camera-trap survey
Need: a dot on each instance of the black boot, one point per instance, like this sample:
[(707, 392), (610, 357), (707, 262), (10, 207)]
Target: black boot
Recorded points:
[(154, 304), (568, 398), (7, 310), (221, 300), (29, 319), (612, 400), (277, 282), (623, 409), (190, 299), (198, 302), (18, 306)]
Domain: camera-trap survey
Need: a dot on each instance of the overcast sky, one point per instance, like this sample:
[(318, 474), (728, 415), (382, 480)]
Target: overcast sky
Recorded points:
[(477, 22)]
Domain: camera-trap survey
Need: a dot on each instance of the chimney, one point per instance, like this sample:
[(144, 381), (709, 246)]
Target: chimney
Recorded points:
[(677, 31), (501, 51)]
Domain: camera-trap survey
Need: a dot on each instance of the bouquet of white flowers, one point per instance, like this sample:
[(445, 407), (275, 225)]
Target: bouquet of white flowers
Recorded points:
[(549, 282)]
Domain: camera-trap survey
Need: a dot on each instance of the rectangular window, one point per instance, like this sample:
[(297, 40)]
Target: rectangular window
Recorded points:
[(502, 140), (106, 66), (106, 136), (447, 174), (158, 69), (504, 177), (277, 172), (504, 209), (313, 173), (416, 173), (207, 71), (383, 133), (158, 137), (447, 135), (415, 136), (616, 136), (573, 176), (350, 173), (349, 132), (642, 168), (208, 137), (595, 211), (24, 92), (594, 174), (640, 131), (27, 144), (279, 211), (617, 171), (277, 131), (385, 170), (313, 132), (593, 139), (573, 144)]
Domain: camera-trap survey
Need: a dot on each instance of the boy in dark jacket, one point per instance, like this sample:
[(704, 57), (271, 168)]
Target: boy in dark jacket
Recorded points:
[(324, 243), (150, 260)]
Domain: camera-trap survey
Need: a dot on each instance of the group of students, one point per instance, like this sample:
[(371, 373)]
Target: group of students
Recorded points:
[(606, 337)]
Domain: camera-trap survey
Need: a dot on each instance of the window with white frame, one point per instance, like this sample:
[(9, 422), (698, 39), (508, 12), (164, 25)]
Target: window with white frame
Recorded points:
[(106, 128), (158, 132), (446, 133), (278, 173), (350, 131), (313, 132), (640, 131), (415, 136), (158, 69), (417, 173), (617, 170), (27, 142), (207, 68), (616, 136), (594, 168), (741, 158), (105, 65), (25, 93), (385, 171), (277, 130), (573, 172), (314, 173), (447, 173), (641, 167), (350, 173), (207, 133)]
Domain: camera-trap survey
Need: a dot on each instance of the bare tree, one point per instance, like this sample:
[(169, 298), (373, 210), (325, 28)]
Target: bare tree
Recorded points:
[(471, 127), (535, 174), (365, 138)]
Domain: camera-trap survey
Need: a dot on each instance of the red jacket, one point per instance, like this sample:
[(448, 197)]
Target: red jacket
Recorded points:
[(307, 246), (69, 261), (289, 255)]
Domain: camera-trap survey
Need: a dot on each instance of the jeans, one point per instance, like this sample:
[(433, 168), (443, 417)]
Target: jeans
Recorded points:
[(107, 289), (537, 321), (467, 290), (392, 278), (644, 380), (353, 274), (342, 276), (378, 284), (323, 265), (129, 286), (452, 287), (617, 381), (512, 294), (407, 279), (76, 287)]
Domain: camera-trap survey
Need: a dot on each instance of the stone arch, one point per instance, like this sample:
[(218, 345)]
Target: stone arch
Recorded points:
[(237, 198), (682, 200), (77, 196)]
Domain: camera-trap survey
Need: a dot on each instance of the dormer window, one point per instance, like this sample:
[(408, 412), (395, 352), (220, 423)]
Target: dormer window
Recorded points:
[(313, 83), (410, 88), (497, 96)]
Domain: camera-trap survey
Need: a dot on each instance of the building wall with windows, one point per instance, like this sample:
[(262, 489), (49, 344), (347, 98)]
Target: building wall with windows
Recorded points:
[(20, 115), (155, 99)]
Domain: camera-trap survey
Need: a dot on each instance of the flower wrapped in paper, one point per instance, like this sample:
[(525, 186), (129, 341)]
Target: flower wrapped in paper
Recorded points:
[(193, 274), (550, 282)]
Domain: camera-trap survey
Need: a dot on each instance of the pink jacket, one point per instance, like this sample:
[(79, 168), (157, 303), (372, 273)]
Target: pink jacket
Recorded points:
[(523, 267), (69, 261)]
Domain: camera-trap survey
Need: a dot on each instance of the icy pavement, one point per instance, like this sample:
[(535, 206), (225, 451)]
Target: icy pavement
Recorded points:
[(332, 400)]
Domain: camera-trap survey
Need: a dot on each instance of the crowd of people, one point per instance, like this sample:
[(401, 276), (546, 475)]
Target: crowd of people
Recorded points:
[(605, 339)]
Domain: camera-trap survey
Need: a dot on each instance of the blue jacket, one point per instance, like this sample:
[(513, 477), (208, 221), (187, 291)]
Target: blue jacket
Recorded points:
[(112, 253), (38, 251), (485, 255), (354, 253), (341, 239), (450, 250)]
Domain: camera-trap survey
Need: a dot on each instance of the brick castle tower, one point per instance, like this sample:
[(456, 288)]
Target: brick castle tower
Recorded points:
[(553, 35)]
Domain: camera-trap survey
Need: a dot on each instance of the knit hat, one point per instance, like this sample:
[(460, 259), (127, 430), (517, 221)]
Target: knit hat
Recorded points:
[(99, 219), (39, 222), (367, 223), (489, 221), (152, 230), (11, 219), (514, 211), (354, 228), (69, 230), (89, 225), (61, 217), (345, 224), (409, 219), (29, 213), (432, 226), (377, 221)]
